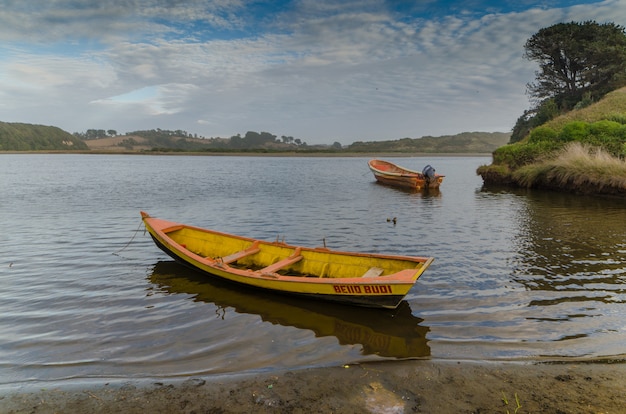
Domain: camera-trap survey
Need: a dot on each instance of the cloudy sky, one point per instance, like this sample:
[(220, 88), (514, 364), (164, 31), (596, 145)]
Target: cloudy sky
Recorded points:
[(318, 70)]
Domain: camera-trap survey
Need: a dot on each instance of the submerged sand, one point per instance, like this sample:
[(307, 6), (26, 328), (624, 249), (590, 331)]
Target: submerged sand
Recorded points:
[(382, 387)]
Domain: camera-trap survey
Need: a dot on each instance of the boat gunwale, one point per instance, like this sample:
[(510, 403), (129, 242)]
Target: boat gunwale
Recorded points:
[(410, 172)]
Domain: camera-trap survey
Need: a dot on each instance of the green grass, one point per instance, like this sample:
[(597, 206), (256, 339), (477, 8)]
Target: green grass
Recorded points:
[(612, 105), (506, 403), (577, 167)]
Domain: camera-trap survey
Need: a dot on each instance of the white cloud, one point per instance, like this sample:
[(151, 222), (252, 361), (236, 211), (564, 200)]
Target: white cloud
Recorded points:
[(325, 72), (156, 100)]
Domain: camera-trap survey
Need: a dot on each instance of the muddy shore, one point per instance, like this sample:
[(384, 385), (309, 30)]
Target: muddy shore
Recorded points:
[(382, 387)]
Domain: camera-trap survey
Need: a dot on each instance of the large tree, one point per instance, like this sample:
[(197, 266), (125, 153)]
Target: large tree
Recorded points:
[(577, 59), (578, 64)]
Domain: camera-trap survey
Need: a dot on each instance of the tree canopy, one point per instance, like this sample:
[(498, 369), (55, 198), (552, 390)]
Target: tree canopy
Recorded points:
[(575, 58)]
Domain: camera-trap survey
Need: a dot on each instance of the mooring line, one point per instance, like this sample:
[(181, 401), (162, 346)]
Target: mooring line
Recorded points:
[(130, 241)]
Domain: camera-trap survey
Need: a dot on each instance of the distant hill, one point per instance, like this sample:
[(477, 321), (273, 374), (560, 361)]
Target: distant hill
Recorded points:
[(26, 137), (466, 142), (29, 137)]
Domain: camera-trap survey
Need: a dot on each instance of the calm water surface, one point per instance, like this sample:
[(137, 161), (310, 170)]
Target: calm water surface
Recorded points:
[(86, 295)]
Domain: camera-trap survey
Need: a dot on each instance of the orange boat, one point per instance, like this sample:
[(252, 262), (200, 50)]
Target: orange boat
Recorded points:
[(374, 280), (389, 173)]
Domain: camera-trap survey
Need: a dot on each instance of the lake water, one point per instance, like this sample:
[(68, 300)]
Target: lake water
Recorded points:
[(86, 295)]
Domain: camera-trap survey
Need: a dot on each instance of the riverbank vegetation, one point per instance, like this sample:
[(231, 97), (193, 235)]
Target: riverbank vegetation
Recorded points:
[(577, 167), (574, 139), (581, 151)]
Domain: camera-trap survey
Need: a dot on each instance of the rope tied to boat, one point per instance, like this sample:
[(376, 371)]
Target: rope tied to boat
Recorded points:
[(130, 241)]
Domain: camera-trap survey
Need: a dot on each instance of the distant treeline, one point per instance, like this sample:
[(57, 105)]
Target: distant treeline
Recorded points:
[(101, 133), (165, 140), (467, 142), (26, 137)]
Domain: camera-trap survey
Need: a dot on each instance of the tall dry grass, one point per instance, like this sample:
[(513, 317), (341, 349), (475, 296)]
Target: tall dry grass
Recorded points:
[(576, 167)]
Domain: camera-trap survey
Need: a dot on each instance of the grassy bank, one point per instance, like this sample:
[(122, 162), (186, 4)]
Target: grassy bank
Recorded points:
[(582, 151), (580, 168)]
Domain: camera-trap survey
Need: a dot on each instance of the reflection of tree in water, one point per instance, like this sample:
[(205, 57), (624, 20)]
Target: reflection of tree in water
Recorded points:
[(570, 243), (388, 333)]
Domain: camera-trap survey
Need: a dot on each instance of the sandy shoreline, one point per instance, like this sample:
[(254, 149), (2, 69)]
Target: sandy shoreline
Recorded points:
[(382, 387)]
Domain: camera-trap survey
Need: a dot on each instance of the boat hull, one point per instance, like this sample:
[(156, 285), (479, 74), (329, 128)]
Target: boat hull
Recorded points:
[(389, 301), (316, 273)]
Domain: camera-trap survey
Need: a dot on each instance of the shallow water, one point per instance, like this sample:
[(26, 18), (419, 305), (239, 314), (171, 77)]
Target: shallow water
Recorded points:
[(86, 294)]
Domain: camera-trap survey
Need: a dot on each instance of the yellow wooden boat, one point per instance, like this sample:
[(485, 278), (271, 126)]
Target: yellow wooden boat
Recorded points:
[(373, 280)]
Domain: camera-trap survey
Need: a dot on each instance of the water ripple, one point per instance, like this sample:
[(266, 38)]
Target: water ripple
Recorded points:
[(86, 294)]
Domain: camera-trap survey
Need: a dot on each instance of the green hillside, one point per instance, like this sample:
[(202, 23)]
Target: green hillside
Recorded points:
[(611, 106), (28, 137), (466, 142)]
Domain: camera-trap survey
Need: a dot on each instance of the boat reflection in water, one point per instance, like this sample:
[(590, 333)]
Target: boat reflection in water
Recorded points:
[(421, 193), (388, 333)]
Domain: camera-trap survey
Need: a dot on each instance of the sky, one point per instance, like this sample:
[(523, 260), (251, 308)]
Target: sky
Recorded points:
[(318, 70)]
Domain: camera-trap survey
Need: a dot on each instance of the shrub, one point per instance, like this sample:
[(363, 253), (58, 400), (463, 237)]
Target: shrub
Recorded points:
[(574, 131), (609, 135), (585, 101), (542, 133), (605, 128), (619, 118), (517, 155)]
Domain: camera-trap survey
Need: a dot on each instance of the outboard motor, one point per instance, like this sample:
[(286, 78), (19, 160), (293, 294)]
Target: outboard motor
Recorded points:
[(429, 173)]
